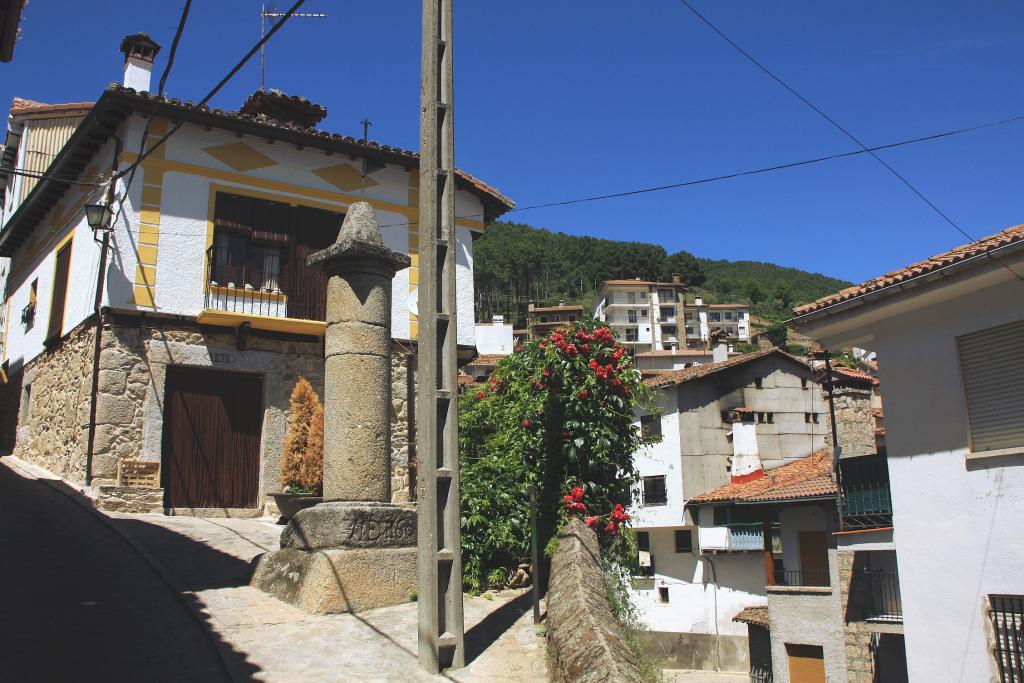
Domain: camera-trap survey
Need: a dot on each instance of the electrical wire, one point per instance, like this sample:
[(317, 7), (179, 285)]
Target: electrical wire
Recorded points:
[(835, 124), (203, 102)]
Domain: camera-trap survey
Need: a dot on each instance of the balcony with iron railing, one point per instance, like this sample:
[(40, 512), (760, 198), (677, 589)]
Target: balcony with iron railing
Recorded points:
[(746, 536), (801, 578), (884, 603), (272, 292), (866, 505)]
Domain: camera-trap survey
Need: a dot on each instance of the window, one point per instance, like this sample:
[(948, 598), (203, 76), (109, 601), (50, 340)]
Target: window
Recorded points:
[(631, 316), (690, 332), (643, 312), (654, 490), (240, 261), (811, 418), (663, 593), (728, 315), (766, 418), (543, 318), (650, 426), (645, 559), (643, 540), (631, 335), (1007, 615), (572, 318), (631, 297), (666, 295), (721, 515), (993, 381), (60, 291), (803, 382), (28, 314), (759, 382), (684, 541), (715, 317), (667, 312)]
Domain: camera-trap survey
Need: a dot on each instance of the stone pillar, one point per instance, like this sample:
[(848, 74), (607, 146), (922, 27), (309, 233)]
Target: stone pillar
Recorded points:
[(357, 369), (356, 550)]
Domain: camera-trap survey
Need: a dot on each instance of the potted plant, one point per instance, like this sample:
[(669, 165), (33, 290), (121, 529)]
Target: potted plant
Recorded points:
[(302, 458)]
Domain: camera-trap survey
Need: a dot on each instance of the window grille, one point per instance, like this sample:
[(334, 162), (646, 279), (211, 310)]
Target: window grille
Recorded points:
[(654, 490), (650, 426), (1007, 615), (684, 541)]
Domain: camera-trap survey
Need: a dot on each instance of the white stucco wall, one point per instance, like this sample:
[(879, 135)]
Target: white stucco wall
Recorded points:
[(661, 459), (957, 522), (494, 339)]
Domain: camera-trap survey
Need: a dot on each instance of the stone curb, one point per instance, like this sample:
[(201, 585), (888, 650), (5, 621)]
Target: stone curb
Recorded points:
[(165, 573)]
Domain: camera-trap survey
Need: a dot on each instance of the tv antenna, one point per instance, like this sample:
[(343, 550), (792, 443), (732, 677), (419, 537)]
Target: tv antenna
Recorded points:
[(271, 13)]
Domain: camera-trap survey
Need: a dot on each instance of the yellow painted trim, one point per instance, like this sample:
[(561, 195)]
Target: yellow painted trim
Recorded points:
[(69, 242), (410, 212), (313, 328), (147, 254), (151, 195), (151, 175), (150, 215), (143, 296), (7, 325), (145, 275), (149, 234)]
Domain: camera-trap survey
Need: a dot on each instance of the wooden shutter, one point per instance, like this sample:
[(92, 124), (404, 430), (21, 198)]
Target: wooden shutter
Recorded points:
[(993, 377), (60, 291), (806, 663)]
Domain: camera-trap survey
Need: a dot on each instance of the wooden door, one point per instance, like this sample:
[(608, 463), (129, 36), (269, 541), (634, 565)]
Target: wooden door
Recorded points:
[(806, 663), (211, 438), (814, 558)]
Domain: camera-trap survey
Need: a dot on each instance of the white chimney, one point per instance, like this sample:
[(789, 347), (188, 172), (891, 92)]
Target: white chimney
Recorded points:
[(698, 301), (746, 461), (139, 52), (720, 351), (498, 320)]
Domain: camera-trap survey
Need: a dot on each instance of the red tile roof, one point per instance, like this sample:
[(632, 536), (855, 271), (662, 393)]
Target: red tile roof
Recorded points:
[(809, 477), (854, 374), (670, 377), (486, 359), (545, 309), (753, 615), (981, 247), (642, 282)]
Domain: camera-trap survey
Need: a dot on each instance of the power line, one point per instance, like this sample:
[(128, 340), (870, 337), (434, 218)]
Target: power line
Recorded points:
[(834, 123), (62, 178), (274, 29)]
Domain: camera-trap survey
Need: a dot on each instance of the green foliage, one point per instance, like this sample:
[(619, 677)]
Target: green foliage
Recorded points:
[(558, 412), (616, 582), (777, 334), (513, 262), (797, 349), (743, 347)]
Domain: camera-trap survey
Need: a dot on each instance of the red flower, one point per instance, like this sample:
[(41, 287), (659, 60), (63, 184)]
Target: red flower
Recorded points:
[(612, 528), (594, 365), (618, 354), (571, 350), (479, 395), (547, 372), (592, 522), (583, 393), (586, 348), (526, 423), (577, 493), (565, 435), (519, 349)]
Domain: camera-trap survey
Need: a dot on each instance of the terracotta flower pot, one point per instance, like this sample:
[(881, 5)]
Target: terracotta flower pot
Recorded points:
[(290, 503)]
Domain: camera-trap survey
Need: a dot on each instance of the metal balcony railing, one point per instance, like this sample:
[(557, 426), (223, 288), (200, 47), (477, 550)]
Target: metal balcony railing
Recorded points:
[(746, 536), (270, 286), (867, 505), (799, 577), (761, 673), (884, 589)]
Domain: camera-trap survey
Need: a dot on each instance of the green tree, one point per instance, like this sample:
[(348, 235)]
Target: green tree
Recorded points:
[(687, 267), (557, 413), (777, 333), (753, 291)]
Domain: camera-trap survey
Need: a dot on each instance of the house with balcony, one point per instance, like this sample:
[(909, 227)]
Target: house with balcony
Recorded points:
[(198, 299), (718, 419), (702, 320), (949, 334), (646, 314), (542, 320)]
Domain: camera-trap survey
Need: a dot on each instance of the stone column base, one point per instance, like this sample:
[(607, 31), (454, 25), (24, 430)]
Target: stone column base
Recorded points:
[(343, 557)]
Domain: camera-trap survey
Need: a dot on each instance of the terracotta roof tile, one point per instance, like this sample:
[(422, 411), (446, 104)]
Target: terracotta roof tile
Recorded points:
[(753, 615), (486, 359), (962, 253), (670, 377), (545, 309), (809, 477), (854, 374)]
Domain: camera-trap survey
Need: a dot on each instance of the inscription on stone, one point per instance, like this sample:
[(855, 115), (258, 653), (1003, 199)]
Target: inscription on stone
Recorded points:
[(371, 529), (351, 525), (218, 357)]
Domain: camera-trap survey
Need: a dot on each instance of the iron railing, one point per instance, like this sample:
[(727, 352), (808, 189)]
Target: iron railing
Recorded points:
[(270, 286), (800, 577), (746, 536), (884, 588), (1007, 615), (867, 506), (761, 673)]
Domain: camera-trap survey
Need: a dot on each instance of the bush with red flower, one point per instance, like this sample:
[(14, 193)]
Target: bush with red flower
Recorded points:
[(559, 409)]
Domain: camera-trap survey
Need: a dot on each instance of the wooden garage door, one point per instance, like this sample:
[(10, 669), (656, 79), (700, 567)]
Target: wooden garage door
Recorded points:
[(211, 440), (806, 663)]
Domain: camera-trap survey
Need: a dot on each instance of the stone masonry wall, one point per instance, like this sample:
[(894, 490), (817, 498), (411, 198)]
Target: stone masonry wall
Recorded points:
[(855, 595), (855, 423), (403, 398), (53, 429), (585, 643)]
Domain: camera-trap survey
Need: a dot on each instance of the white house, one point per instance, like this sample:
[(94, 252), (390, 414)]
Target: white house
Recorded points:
[(719, 422), (949, 333), (207, 305), (646, 314)]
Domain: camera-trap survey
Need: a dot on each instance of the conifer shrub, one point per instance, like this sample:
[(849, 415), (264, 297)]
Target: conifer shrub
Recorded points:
[(302, 458)]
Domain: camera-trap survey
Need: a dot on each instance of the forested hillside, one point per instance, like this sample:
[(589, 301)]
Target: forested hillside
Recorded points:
[(514, 263)]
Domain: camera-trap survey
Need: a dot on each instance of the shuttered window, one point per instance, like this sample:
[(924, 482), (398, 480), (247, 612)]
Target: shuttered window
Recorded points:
[(806, 663), (993, 379), (60, 291)]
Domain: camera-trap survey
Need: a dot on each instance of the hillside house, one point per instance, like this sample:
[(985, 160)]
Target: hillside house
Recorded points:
[(207, 306), (949, 333), (645, 314)]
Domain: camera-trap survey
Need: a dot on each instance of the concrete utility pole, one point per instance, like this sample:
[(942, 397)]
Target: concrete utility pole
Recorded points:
[(437, 442)]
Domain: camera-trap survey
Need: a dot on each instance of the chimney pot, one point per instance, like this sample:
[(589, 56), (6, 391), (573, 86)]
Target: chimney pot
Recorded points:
[(676, 278), (746, 461), (139, 52)]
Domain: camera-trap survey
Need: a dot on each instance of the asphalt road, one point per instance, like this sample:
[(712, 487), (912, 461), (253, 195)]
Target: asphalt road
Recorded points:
[(79, 604)]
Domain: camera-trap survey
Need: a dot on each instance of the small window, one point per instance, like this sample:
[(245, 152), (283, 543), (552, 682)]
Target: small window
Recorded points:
[(643, 312), (715, 317), (663, 593), (759, 382), (803, 382), (993, 381), (807, 418), (650, 426), (572, 318), (654, 490), (643, 541), (728, 315), (721, 515), (60, 290), (28, 314), (1007, 615), (684, 541), (766, 418), (543, 318)]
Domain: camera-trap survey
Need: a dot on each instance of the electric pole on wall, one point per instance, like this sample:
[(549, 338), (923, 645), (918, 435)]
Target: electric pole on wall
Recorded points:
[(440, 557)]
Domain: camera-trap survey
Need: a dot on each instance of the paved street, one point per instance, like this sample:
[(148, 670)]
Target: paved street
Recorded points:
[(81, 604), (76, 585)]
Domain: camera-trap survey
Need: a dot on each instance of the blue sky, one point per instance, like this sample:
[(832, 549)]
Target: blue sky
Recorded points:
[(558, 100)]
